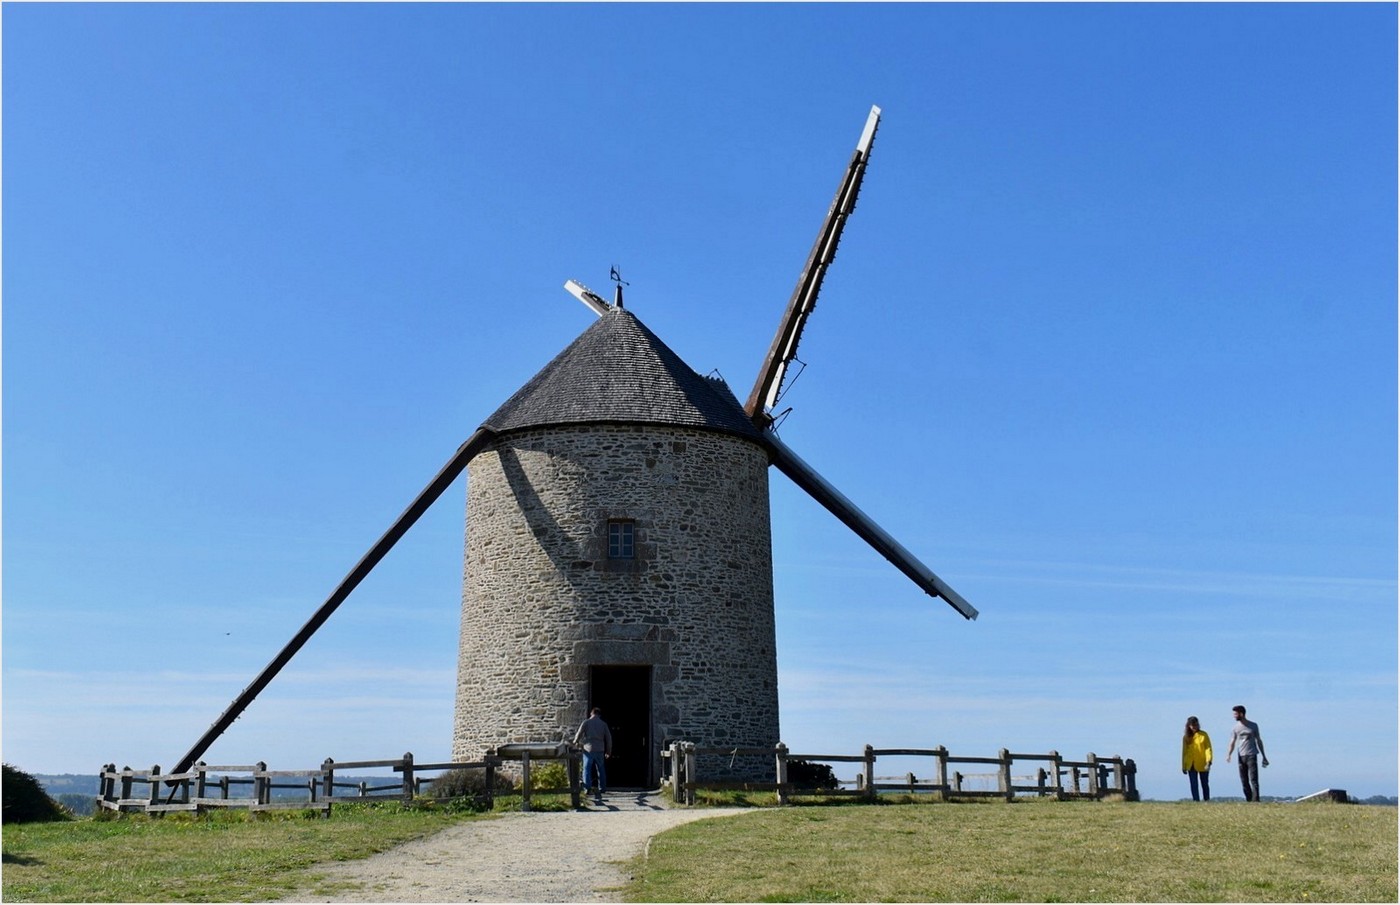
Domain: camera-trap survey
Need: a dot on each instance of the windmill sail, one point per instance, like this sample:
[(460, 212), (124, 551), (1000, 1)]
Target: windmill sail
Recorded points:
[(804, 297), (768, 386), (806, 477), (381, 548)]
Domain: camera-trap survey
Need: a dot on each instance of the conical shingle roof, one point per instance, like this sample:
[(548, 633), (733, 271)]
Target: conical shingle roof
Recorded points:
[(618, 371)]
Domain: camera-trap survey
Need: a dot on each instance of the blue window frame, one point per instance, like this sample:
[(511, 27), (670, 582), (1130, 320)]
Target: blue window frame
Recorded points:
[(622, 537)]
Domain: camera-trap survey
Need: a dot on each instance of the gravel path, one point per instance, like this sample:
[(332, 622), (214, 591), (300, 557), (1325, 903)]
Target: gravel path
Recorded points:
[(554, 856)]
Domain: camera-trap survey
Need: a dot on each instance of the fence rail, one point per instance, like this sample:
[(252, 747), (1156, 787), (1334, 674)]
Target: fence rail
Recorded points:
[(252, 786), (1094, 777), (205, 787)]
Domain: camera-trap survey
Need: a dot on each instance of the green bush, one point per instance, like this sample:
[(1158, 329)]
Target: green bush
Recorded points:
[(468, 787), (552, 775), (25, 800)]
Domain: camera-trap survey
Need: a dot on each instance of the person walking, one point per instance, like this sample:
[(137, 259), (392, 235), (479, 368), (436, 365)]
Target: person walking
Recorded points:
[(596, 738), (1196, 757), (1252, 756)]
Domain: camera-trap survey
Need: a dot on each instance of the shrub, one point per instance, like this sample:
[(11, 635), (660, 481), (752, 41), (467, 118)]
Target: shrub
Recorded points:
[(552, 775), (467, 786), (25, 801), (804, 774)]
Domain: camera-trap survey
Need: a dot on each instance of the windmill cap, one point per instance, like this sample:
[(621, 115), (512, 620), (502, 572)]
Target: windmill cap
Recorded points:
[(617, 371)]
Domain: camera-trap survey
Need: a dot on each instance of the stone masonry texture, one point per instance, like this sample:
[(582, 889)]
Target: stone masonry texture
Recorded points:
[(542, 602)]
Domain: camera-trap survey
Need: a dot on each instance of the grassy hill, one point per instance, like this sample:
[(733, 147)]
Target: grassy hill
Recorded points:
[(990, 851), (1039, 851)]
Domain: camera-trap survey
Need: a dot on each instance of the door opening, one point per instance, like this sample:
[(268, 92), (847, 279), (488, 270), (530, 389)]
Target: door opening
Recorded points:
[(624, 694)]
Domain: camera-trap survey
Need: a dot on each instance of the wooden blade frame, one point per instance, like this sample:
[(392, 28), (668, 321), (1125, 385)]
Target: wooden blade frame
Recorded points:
[(804, 476), (420, 504), (768, 386), (804, 297)]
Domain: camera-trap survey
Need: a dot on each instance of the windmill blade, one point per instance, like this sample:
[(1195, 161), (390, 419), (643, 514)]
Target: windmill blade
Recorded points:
[(593, 300), (420, 504), (804, 297), (803, 475)]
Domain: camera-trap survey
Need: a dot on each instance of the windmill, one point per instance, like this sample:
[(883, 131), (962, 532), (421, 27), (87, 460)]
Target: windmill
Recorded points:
[(618, 547)]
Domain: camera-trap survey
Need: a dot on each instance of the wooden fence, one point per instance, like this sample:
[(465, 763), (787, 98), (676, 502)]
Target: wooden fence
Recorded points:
[(1094, 777), (205, 787)]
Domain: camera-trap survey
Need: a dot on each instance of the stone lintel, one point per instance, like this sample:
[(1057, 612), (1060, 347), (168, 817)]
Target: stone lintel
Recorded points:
[(621, 653)]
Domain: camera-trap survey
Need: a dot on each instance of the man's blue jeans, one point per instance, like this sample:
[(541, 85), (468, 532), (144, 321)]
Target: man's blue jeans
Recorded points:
[(594, 761)]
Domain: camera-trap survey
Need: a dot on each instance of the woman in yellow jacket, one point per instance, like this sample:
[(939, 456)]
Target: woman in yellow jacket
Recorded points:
[(1196, 756)]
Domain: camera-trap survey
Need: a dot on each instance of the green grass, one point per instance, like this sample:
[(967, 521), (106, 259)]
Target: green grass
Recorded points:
[(221, 858), (1039, 851), (1029, 851)]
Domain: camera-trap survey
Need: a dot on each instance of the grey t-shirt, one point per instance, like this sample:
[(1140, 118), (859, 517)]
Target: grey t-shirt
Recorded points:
[(1246, 738)]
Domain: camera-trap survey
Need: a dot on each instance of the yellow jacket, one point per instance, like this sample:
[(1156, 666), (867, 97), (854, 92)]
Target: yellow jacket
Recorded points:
[(1196, 752)]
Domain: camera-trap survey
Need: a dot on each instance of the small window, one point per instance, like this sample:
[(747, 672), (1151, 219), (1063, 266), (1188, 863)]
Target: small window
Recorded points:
[(622, 535)]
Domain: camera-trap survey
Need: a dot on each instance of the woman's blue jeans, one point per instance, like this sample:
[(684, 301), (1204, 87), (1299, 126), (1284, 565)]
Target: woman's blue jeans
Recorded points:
[(1203, 779)]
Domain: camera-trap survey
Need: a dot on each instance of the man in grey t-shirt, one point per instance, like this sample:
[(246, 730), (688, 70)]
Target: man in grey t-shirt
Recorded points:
[(596, 739), (1251, 745)]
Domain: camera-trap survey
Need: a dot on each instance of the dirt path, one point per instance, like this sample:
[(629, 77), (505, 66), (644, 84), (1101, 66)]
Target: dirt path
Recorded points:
[(558, 856)]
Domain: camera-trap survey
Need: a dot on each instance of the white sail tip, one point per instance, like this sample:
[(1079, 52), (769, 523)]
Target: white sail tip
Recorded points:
[(868, 135), (590, 298)]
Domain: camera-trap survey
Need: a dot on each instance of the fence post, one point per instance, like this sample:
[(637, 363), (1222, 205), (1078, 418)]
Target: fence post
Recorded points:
[(940, 771), (107, 787), (1040, 777), (690, 779), (201, 781), (154, 793), (1118, 775), (1130, 779), (957, 781), (575, 792), (780, 757), (677, 770), (262, 791), (407, 777), (1093, 761), (525, 780), (126, 783), (491, 762), (909, 780), (1055, 767), (1004, 774), (870, 772), (328, 779)]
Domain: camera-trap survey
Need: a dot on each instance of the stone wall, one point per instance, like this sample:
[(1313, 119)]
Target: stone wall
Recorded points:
[(542, 602)]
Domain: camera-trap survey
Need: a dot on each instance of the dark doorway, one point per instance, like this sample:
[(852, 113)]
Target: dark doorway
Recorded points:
[(624, 693)]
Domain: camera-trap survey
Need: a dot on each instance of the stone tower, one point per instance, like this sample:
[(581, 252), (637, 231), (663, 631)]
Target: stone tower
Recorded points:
[(618, 554)]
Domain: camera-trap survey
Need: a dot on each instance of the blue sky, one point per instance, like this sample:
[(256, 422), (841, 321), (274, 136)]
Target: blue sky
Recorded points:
[(1110, 344)]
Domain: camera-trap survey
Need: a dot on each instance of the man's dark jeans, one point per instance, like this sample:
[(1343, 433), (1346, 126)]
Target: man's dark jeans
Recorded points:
[(1249, 776)]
